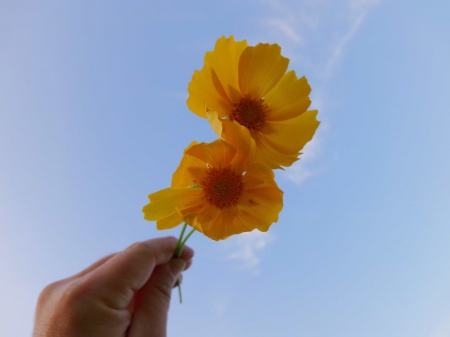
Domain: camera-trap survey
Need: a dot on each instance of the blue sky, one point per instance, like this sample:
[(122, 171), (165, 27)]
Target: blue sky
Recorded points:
[(93, 119)]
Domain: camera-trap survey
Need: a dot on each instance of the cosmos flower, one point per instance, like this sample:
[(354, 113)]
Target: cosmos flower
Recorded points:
[(219, 191), (245, 92)]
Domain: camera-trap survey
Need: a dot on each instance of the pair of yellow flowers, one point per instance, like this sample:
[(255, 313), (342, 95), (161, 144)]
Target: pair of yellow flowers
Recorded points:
[(259, 112)]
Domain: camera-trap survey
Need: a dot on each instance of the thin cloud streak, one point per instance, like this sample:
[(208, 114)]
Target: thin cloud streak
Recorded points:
[(286, 29), (301, 170), (245, 246), (314, 35), (360, 9)]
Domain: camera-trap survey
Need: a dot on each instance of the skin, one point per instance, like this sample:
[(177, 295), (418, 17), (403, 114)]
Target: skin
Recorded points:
[(126, 294)]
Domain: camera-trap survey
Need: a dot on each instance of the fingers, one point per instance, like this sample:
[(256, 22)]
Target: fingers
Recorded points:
[(137, 280), (117, 279), (188, 265), (93, 266), (152, 301), (187, 255)]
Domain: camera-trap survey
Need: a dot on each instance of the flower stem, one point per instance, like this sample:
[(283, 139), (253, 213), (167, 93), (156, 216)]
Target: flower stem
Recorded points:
[(186, 238), (178, 250)]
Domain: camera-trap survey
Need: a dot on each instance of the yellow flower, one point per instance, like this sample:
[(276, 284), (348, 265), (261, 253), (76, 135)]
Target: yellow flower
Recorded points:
[(219, 191), (247, 86)]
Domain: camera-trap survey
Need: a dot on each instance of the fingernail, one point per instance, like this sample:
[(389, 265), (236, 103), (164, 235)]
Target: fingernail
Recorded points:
[(177, 266)]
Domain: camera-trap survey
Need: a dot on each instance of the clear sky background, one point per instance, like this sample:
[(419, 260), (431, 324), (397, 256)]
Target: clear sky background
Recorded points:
[(93, 119)]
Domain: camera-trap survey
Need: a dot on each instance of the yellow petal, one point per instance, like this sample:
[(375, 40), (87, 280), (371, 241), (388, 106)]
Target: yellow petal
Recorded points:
[(290, 136), (215, 229), (217, 154), (206, 218), (271, 157), (191, 171), (191, 219), (224, 223), (233, 221), (289, 98), (224, 59), (189, 216), (164, 203), (260, 69), (171, 221), (215, 122), (206, 93), (258, 175), (246, 220), (263, 203), (238, 136)]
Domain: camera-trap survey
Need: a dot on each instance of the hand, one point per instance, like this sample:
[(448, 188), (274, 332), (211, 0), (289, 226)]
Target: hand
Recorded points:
[(123, 294)]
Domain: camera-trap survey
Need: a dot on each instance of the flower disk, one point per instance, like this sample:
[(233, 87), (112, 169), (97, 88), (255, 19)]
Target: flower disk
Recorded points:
[(217, 193), (222, 187), (250, 113)]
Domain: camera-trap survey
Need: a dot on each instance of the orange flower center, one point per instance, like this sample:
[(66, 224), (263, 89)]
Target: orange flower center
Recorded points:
[(222, 187), (250, 113)]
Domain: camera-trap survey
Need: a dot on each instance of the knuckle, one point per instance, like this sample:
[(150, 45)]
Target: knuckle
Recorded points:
[(164, 292), (173, 240), (49, 291), (56, 303), (135, 245), (140, 247)]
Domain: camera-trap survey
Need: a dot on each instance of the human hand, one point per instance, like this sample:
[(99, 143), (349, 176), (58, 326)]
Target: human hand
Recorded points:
[(123, 294)]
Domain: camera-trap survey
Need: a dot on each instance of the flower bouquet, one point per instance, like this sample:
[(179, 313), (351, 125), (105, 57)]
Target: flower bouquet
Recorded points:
[(259, 112)]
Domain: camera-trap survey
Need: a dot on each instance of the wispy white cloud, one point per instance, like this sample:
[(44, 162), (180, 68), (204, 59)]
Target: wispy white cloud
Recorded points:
[(301, 169), (244, 248), (178, 95), (357, 12), (286, 28), (220, 305), (315, 33)]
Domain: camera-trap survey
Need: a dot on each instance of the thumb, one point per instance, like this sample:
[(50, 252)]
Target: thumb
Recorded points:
[(153, 300)]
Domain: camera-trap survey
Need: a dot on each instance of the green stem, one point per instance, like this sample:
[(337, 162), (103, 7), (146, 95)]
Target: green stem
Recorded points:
[(186, 238), (179, 247), (179, 290), (178, 250)]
